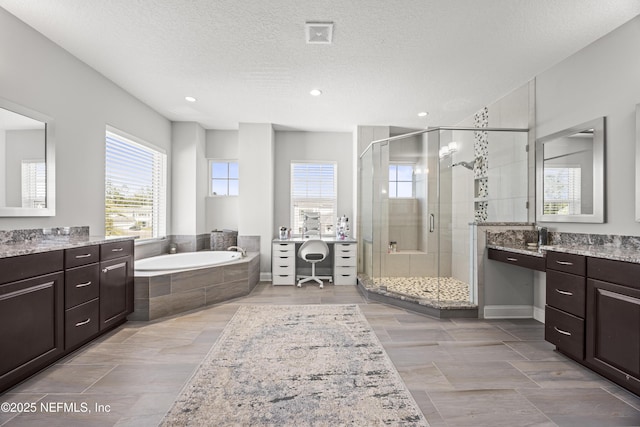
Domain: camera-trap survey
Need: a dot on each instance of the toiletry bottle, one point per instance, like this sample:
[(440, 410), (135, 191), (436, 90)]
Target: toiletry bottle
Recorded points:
[(543, 236)]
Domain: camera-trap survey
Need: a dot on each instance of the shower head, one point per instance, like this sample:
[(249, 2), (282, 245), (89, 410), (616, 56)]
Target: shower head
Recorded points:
[(468, 165)]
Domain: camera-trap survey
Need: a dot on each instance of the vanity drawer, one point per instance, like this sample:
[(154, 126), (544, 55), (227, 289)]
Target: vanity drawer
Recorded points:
[(284, 249), (345, 249), (565, 331), (21, 267), (116, 250), (569, 263), (81, 256), (81, 284), (521, 260), (566, 292), (81, 323), (283, 279), (344, 276), (345, 261), (283, 268), (620, 272)]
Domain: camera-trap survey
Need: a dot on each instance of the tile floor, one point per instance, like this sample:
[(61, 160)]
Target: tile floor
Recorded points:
[(464, 372)]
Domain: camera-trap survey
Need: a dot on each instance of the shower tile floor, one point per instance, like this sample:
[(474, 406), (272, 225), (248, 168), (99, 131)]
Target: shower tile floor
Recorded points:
[(436, 291)]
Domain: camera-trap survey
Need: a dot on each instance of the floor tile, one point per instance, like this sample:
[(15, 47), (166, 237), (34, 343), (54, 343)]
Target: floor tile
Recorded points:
[(484, 375)]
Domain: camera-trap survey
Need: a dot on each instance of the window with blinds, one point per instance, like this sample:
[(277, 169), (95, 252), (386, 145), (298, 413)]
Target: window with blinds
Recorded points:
[(562, 191), (313, 188), (34, 184), (135, 188)]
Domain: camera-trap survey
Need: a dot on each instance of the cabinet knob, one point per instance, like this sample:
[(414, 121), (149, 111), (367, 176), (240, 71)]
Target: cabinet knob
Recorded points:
[(83, 323), (562, 332), (564, 262), (82, 285), (105, 270), (564, 292), (83, 256)]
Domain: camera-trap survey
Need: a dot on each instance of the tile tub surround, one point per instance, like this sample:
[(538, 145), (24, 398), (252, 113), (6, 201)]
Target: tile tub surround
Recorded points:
[(170, 293), (31, 241)]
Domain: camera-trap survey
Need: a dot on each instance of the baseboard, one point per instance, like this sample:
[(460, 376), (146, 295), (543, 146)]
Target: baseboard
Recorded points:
[(508, 311), (265, 276), (538, 314)]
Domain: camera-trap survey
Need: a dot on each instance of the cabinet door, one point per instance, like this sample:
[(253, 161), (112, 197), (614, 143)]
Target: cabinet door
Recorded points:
[(31, 326), (116, 291), (613, 332)]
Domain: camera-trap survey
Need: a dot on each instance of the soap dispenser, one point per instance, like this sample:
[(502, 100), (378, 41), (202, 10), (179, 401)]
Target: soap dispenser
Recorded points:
[(543, 236)]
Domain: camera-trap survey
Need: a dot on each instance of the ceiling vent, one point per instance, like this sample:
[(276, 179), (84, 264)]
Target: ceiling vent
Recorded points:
[(319, 32)]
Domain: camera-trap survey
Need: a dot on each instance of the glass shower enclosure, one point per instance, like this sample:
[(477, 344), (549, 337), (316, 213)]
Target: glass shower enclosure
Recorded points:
[(420, 194)]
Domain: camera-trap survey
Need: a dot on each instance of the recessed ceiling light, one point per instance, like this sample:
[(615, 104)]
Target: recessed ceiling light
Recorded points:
[(315, 92), (423, 114), (190, 98)]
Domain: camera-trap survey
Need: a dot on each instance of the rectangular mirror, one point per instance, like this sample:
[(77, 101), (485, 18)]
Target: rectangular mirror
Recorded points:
[(638, 162), (27, 185), (570, 174)]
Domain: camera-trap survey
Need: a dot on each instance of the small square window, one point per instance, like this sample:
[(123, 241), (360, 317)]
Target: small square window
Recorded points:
[(401, 180), (223, 178)]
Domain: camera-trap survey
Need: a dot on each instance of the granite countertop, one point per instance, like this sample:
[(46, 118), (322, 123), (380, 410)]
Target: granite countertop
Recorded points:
[(595, 251), (55, 243)]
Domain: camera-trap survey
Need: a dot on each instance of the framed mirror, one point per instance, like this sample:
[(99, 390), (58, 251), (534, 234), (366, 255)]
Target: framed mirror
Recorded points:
[(638, 162), (570, 174), (27, 162)]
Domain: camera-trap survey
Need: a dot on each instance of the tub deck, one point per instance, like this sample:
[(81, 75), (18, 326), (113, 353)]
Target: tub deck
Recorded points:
[(167, 293)]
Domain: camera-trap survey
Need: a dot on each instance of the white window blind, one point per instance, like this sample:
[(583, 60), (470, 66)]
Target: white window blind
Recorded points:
[(34, 184), (135, 189), (562, 194), (313, 188)]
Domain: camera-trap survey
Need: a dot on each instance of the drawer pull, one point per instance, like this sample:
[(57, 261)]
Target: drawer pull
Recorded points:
[(564, 262), (564, 292), (83, 256), (83, 322), (117, 250), (562, 332), (512, 259), (82, 285)]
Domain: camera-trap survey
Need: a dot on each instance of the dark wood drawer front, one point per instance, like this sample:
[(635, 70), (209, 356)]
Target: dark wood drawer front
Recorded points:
[(81, 284), (623, 273), (81, 256), (566, 292), (521, 260), (22, 267), (565, 331), (81, 323), (116, 250), (569, 263)]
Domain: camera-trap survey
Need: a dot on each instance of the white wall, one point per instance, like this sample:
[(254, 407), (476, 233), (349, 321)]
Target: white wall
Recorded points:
[(312, 146), (189, 184), (600, 80), (256, 201), (39, 75), (222, 211)]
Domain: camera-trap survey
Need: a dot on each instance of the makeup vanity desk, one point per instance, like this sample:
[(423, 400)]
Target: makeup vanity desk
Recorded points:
[(341, 263)]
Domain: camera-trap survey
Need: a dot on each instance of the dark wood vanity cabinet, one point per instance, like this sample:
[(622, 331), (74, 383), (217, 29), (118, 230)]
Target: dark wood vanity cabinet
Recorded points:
[(565, 305), (52, 303), (31, 314), (613, 321)]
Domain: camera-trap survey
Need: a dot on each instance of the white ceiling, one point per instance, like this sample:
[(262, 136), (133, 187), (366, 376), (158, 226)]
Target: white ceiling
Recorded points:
[(247, 60)]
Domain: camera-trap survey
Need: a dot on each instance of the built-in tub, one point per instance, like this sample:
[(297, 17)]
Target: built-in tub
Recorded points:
[(166, 285), (186, 261)]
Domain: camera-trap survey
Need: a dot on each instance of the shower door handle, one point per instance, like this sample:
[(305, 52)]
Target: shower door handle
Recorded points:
[(432, 223)]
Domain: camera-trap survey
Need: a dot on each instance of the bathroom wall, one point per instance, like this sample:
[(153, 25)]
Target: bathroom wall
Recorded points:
[(311, 146), (599, 80), (39, 75), (222, 211)]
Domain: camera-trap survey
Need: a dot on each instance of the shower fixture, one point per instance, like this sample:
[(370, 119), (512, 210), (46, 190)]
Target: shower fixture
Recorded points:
[(468, 165)]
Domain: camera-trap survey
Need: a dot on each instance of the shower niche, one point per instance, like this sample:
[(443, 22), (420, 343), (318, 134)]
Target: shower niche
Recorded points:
[(420, 194)]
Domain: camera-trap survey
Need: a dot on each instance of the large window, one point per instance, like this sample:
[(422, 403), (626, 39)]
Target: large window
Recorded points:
[(34, 184), (313, 188), (135, 188), (223, 178), (562, 191), (401, 183)]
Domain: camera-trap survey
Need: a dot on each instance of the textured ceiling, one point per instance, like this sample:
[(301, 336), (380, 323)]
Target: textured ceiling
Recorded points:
[(248, 61)]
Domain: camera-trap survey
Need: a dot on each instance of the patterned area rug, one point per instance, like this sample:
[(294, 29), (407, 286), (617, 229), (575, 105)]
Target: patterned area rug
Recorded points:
[(296, 365)]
